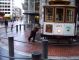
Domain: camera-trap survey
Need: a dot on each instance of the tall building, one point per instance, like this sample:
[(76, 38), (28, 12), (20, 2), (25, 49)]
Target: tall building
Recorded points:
[(6, 7), (31, 10), (42, 3), (17, 13)]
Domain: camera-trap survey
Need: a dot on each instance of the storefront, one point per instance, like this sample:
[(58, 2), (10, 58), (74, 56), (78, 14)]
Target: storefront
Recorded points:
[(32, 17)]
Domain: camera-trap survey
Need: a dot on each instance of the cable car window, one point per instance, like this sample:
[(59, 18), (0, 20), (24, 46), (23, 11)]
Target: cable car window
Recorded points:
[(70, 15), (49, 28), (49, 14), (59, 15)]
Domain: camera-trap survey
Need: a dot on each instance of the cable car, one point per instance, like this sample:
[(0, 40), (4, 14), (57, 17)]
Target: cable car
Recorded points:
[(59, 20)]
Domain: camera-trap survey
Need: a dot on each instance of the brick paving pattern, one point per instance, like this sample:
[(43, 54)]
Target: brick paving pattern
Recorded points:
[(53, 50)]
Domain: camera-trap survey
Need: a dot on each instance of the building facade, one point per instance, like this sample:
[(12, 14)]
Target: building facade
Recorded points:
[(17, 13), (42, 3), (31, 10), (6, 7)]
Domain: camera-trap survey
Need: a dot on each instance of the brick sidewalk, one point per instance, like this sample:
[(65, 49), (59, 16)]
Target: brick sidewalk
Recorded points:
[(22, 45)]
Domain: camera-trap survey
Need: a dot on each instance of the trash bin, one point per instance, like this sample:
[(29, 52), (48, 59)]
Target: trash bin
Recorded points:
[(36, 56)]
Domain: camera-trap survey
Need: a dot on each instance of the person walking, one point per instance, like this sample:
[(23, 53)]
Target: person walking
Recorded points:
[(12, 26), (6, 23), (33, 34)]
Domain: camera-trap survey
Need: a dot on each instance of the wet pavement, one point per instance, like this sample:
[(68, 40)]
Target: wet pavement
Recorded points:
[(4, 55), (25, 48)]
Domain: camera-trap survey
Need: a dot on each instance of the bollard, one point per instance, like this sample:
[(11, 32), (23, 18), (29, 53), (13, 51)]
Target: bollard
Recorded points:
[(16, 27), (11, 47), (24, 26), (20, 27), (36, 56), (45, 49)]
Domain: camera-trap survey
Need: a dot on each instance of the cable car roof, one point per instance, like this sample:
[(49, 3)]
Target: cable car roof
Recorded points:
[(60, 6)]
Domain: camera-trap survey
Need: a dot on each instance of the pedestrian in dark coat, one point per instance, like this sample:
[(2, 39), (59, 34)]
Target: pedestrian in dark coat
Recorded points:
[(6, 23), (33, 34)]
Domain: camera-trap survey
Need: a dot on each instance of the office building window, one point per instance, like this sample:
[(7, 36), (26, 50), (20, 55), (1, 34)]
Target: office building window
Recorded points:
[(8, 12), (5, 9), (5, 12), (8, 9), (8, 6), (5, 6)]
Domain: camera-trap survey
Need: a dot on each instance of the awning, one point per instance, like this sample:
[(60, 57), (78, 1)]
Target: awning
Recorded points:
[(7, 15), (35, 14)]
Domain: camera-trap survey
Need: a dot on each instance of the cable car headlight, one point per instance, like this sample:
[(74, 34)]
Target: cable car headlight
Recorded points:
[(58, 30)]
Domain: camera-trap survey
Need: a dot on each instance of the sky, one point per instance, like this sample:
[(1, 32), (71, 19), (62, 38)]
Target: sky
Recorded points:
[(18, 3)]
